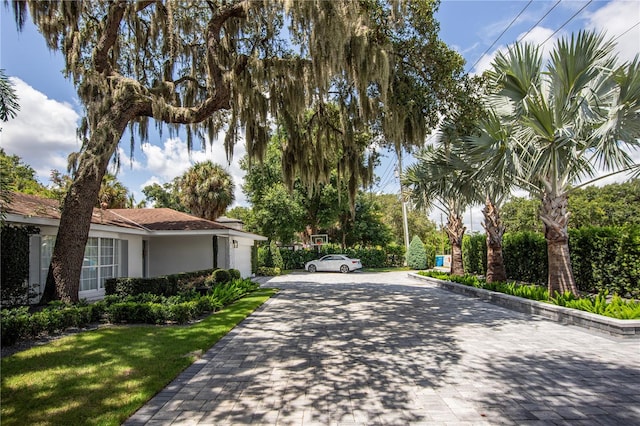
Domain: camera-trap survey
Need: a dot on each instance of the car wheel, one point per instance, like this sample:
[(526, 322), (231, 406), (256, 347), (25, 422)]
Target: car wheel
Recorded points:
[(344, 269), (312, 268)]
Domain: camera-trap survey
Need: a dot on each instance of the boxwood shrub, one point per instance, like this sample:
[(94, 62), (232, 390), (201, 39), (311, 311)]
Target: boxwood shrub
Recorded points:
[(18, 323), (166, 285)]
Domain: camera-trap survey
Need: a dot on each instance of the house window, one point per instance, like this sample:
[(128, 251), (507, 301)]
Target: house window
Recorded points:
[(46, 250), (101, 261)]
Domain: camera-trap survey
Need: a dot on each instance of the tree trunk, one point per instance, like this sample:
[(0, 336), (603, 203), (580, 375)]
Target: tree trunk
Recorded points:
[(455, 231), (63, 278), (494, 228), (555, 216)]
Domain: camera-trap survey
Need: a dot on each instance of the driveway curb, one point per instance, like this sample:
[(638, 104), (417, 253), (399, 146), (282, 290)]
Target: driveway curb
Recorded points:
[(628, 329)]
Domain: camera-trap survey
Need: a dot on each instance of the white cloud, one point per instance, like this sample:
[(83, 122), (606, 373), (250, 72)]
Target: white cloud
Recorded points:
[(173, 159), (615, 19), (43, 133), (618, 18)]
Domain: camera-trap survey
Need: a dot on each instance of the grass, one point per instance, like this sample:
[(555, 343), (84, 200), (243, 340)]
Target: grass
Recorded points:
[(102, 377)]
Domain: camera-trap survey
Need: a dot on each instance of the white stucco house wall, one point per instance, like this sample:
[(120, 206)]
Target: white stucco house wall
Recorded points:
[(133, 243)]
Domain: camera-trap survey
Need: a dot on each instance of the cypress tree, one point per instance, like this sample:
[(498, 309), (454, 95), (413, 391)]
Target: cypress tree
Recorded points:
[(416, 255)]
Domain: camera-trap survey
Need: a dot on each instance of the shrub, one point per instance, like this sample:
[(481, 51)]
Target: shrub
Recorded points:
[(167, 285), (221, 276), (14, 325), (474, 254), (276, 257), (14, 263), (18, 323), (525, 257), (268, 272), (416, 255), (183, 312), (235, 274)]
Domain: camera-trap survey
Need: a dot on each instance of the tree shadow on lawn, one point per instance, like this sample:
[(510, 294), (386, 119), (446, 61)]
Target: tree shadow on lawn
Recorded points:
[(322, 353), (103, 375)]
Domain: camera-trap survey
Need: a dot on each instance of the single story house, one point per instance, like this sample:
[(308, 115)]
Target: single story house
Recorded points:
[(133, 243)]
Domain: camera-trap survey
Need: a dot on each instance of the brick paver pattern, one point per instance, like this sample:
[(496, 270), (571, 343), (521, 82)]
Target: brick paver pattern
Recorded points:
[(367, 349)]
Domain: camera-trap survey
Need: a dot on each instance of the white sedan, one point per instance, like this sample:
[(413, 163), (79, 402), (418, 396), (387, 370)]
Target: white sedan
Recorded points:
[(333, 263)]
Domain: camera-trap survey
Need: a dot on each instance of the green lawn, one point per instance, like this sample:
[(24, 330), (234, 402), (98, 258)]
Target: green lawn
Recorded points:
[(101, 377)]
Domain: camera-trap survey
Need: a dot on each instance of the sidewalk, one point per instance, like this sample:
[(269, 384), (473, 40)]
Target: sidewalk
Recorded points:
[(364, 349)]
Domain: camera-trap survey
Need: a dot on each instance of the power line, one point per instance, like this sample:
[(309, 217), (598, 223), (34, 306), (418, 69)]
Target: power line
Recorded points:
[(539, 20), (501, 34), (387, 175), (567, 21), (630, 28)]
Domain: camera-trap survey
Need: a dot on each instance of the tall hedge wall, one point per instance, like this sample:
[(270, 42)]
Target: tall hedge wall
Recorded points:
[(14, 264), (377, 257), (603, 259)]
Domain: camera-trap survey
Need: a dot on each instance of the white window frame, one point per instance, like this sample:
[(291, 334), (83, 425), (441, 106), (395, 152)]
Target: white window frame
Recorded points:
[(97, 282)]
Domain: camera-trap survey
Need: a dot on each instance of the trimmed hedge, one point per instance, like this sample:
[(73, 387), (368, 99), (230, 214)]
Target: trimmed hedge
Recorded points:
[(167, 285), (603, 259), (474, 254), (18, 324), (14, 264), (374, 257)]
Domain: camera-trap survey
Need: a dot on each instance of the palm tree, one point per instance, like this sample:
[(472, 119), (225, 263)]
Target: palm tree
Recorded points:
[(494, 176), (113, 194), (207, 190), (9, 106), (579, 115), (435, 181)]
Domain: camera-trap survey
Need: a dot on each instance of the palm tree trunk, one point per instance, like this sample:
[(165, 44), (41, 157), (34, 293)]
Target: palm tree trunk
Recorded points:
[(455, 231), (555, 216), (494, 228)]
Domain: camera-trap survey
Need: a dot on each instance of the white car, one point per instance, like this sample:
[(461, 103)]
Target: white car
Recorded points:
[(333, 263)]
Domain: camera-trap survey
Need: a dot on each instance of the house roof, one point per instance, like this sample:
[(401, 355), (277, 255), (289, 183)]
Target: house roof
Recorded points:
[(164, 219), (150, 220), (33, 206)]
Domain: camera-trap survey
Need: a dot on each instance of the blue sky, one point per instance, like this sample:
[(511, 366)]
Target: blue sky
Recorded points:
[(43, 133)]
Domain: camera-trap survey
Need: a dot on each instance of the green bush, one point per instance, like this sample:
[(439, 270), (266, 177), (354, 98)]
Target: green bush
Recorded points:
[(221, 276), (394, 257), (268, 272), (416, 255), (14, 264), (235, 274), (525, 257), (371, 257), (474, 254), (602, 259), (606, 259), (18, 323), (276, 257), (167, 285)]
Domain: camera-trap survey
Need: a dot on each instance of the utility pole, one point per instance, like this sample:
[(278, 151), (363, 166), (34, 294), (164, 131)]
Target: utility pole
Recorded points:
[(404, 208)]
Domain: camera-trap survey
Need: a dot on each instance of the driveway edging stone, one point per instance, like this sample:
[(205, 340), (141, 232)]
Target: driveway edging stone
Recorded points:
[(560, 314)]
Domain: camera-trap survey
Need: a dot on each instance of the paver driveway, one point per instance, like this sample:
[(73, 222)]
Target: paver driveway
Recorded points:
[(367, 349)]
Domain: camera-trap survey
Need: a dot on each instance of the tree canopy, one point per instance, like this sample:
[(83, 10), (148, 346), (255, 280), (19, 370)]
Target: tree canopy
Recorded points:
[(232, 66)]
